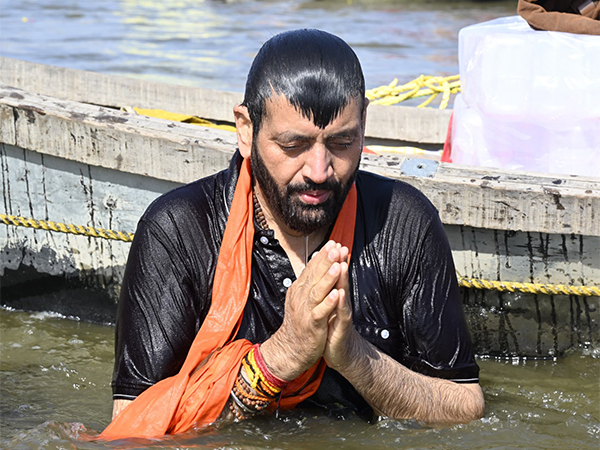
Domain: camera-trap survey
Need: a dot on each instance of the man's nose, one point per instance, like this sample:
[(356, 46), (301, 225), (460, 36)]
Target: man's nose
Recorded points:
[(317, 166)]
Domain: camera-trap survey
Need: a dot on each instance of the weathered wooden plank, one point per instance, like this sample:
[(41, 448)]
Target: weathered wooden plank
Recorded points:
[(116, 91), (501, 200), (418, 125), (73, 275), (427, 126), (113, 139), (532, 257), (477, 197)]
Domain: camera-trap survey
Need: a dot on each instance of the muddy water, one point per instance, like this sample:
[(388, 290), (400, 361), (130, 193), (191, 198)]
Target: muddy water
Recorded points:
[(55, 375)]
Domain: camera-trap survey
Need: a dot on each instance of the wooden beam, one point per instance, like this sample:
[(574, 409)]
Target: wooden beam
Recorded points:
[(405, 123), (478, 197), (112, 139), (116, 91), (400, 123), (489, 198)]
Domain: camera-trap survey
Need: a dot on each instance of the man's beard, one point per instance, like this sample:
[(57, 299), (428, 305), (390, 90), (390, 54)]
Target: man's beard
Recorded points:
[(296, 214)]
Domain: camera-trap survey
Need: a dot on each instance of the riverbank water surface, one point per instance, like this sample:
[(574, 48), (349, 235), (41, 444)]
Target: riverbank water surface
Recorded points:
[(55, 380), (211, 43)]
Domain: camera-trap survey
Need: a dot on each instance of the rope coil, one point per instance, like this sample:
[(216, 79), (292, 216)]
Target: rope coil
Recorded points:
[(472, 283), (422, 86)]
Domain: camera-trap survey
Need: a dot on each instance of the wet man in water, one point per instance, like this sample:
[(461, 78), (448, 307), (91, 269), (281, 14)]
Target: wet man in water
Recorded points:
[(292, 278)]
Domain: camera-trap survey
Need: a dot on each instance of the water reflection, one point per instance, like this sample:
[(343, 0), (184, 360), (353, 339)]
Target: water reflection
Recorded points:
[(212, 43), (55, 376), (170, 33)]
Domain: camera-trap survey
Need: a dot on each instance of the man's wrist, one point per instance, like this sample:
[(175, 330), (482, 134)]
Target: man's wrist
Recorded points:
[(275, 355), (350, 354)]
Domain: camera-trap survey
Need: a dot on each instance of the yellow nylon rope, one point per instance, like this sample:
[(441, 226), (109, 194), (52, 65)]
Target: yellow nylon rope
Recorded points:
[(422, 86), (530, 288), (473, 283), (66, 228)]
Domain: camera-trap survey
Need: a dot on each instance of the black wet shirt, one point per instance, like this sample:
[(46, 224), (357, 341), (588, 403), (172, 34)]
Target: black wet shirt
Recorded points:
[(403, 286)]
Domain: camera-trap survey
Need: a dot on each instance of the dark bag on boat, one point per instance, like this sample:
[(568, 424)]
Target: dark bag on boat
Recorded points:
[(569, 16)]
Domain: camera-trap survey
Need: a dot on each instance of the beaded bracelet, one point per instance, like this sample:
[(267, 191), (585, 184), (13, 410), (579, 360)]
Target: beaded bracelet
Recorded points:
[(241, 404), (253, 402), (255, 386), (237, 414)]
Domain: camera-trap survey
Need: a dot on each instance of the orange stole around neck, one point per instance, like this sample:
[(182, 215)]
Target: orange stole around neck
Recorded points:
[(197, 395)]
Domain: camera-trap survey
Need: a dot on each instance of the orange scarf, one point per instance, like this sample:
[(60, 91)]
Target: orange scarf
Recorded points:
[(197, 395)]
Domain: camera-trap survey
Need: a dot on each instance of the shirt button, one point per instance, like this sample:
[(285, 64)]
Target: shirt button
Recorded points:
[(264, 240), (385, 334), (287, 282)]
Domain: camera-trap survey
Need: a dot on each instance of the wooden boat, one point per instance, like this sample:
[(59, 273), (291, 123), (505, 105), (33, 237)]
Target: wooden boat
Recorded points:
[(68, 154)]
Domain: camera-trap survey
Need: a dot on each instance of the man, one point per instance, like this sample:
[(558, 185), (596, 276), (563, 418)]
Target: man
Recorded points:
[(382, 333)]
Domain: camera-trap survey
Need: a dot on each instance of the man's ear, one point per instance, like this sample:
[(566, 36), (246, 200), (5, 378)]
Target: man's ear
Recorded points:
[(364, 114), (243, 128)]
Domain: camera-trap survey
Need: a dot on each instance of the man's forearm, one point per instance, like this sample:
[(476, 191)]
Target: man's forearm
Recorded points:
[(397, 392)]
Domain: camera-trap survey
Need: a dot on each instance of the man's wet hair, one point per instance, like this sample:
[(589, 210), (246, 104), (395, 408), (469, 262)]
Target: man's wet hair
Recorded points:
[(316, 71)]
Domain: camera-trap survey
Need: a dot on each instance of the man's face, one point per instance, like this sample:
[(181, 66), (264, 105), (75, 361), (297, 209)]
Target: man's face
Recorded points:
[(305, 172)]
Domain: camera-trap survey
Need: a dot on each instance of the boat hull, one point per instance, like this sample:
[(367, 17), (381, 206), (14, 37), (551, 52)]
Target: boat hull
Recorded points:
[(71, 162)]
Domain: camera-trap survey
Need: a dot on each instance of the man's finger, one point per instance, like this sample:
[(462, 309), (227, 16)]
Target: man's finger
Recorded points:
[(322, 311), (344, 253), (344, 309), (323, 287), (343, 282), (339, 246), (318, 267)]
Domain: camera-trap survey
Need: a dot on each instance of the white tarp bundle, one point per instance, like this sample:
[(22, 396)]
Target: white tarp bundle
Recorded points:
[(530, 99)]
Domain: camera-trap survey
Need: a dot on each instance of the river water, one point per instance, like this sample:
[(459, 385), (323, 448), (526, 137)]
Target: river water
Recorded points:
[(211, 43), (55, 371), (56, 375)]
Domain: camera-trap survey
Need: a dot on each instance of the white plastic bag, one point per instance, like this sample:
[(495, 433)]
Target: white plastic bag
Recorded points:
[(530, 99)]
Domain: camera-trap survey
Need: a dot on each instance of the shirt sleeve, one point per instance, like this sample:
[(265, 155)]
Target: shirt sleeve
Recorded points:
[(165, 295), (434, 324)]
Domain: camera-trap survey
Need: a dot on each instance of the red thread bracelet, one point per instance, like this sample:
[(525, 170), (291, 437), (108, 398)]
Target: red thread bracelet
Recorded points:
[(262, 366)]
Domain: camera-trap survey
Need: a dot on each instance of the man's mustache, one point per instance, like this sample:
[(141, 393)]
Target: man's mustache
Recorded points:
[(329, 185)]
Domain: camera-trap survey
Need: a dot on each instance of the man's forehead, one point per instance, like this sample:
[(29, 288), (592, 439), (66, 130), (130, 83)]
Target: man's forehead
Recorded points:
[(277, 105)]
